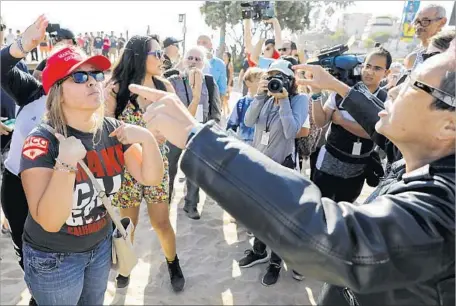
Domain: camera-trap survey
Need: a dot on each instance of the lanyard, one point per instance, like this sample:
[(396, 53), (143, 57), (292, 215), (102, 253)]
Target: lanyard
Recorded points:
[(269, 110)]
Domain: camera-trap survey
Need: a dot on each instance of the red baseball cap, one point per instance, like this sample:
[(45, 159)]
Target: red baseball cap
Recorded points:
[(66, 61)]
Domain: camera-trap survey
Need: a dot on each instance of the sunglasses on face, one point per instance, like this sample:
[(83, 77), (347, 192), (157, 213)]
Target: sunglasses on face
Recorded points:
[(283, 49), (434, 92), (425, 22), (81, 77), (195, 58), (158, 53), (429, 55)]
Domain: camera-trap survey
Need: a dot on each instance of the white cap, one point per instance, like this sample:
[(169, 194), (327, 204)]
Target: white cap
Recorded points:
[(282, 66)]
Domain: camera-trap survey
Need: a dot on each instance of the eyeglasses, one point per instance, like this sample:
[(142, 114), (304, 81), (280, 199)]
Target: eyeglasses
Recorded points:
[(425, 22), (195, 58), (429, 55), (434, 92), (81, 77), (283, 49), (157, 53), (373, 68)]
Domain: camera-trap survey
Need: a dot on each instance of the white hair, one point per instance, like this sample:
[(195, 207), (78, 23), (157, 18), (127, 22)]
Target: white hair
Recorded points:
[(440, 10), (397, 65), (201, 51)]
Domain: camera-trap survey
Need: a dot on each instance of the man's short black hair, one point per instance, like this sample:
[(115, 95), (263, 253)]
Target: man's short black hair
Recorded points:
[(269, 41), (382, 52)]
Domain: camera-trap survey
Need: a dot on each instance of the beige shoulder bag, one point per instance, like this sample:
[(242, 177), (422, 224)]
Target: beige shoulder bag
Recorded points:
[(124, 258)]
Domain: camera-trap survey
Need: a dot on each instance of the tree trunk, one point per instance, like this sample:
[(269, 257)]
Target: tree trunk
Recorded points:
[(221, 49)]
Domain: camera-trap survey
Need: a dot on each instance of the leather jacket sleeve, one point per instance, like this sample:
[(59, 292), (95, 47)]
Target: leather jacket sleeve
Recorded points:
[(396, 240), (19, 85)]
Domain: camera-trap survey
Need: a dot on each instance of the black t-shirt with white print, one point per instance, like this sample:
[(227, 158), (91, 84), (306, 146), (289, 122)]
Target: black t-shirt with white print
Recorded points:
[(89, 222)]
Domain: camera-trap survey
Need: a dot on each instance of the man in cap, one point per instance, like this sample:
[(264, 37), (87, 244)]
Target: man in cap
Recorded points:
[(62, 37), (171, 56)]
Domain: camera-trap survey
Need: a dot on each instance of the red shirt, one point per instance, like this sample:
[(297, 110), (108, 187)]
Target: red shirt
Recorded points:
[(275, 55), (106, 44)]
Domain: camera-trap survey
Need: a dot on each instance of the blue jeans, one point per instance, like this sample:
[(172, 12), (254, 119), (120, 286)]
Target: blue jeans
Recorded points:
[(68, 278)]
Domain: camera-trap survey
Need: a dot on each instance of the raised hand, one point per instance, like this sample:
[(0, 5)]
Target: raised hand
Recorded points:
[(317, 77), (34, 34), (71, 150)]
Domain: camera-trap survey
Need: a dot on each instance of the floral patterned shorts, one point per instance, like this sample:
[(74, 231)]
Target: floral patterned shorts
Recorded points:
[(132, 192)]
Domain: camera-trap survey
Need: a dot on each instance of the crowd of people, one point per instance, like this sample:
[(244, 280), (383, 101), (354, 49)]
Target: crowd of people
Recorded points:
[(160, 110)]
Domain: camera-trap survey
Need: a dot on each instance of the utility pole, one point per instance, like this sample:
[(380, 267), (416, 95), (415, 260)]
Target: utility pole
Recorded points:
[(183, 19)]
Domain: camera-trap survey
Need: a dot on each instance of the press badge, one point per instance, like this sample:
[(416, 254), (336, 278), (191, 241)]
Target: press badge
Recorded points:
[(357, 148), (265, 138)]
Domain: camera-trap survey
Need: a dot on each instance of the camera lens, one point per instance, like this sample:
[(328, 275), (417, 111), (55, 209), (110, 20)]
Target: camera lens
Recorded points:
[(275, 85)]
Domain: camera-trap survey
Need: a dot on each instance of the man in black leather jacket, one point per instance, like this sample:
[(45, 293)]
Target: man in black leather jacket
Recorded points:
[(397, 250)]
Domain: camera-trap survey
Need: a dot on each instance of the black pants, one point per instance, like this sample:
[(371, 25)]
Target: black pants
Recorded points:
[(34, 54), (313, 162), (339, 189), (15, 208), (259, 248), (192, 195)]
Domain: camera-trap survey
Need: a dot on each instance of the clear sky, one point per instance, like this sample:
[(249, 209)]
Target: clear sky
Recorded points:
[(135, 16)]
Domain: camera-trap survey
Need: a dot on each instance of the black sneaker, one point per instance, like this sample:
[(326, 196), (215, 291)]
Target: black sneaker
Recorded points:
[(122, 281), (251, 258), (297, 276), (192, 213), (272, 275), (32, 302), (176, 275)]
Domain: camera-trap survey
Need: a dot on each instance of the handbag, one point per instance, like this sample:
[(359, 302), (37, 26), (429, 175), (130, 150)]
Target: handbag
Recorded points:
[(124, 258)]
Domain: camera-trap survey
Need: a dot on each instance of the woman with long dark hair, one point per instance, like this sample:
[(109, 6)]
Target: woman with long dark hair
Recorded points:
[(141, 63)]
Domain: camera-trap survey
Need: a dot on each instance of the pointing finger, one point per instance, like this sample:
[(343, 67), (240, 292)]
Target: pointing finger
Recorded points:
[(148, 93)]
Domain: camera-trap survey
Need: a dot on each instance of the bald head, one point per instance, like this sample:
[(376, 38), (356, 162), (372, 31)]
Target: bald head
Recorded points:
[(204, 41)]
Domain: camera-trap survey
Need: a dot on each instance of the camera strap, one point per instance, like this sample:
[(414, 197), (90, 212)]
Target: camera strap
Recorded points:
[(269, 110)]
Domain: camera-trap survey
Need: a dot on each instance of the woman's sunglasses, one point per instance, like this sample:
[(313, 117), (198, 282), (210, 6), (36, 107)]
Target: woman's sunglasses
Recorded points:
[(195, 58), (81, 77), (158, 53)]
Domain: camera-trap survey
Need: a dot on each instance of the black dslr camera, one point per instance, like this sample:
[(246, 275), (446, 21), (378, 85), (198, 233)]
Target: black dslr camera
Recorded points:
[(258, 10), (52, 28), (278, 82)]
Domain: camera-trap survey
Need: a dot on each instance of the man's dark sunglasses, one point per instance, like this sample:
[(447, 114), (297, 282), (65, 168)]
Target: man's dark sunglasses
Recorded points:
[(429, 55), (434, 92), (283, 49), (81, 77)]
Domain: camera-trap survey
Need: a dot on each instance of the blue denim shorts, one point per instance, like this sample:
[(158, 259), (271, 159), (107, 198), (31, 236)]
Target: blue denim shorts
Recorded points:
[(68, 278)]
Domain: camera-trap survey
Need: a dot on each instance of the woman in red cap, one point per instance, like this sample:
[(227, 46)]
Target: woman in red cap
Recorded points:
[(67, 235)]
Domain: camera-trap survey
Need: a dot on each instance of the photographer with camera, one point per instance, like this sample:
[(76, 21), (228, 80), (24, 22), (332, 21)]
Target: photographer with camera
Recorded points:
[(347, 158), (398, 250), (265, 12), (278, 112)]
